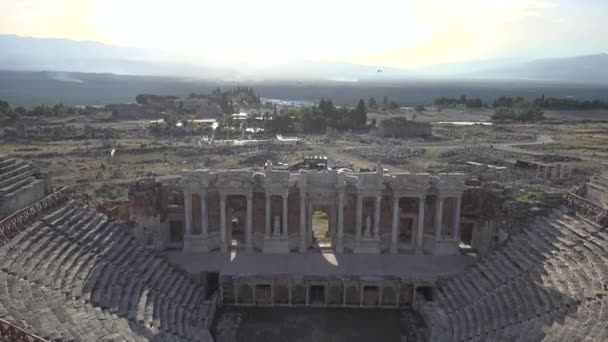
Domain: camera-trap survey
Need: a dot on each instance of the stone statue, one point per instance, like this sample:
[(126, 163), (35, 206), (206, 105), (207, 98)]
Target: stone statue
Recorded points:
[(368, 228), (276, 227)]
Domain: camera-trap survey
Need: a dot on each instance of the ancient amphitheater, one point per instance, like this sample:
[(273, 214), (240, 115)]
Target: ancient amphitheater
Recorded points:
[(204, 239)]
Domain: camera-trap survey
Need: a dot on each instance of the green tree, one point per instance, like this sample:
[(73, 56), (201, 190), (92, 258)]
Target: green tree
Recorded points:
[(142, 99), (21, 110), (372, 104), (4, 107), (251, 120), (385, 103), (13, 115), (171, 122), (504, 114), (360, 114), (59, 109)]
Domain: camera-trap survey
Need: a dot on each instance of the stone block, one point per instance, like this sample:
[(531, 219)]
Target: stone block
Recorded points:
[(273, 245)]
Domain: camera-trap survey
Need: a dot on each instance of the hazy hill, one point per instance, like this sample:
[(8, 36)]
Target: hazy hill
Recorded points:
[(50, 54), (583, 69)]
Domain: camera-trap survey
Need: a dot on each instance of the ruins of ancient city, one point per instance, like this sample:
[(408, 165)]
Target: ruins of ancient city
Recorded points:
[(120, 223)]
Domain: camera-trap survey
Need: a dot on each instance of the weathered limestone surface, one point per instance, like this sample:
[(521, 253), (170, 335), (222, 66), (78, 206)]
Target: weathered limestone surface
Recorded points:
[(271, 211), (20, 185), (547, 283), (72, 275)]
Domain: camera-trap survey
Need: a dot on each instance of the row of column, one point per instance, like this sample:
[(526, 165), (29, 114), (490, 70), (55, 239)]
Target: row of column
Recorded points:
[(248, 223), (268, 229), (223, 229), (340, 221), (188, 212), (559, 171)]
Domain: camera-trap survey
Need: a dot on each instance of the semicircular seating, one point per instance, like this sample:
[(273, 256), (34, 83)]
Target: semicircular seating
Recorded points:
[(74, 276), (548, 283)]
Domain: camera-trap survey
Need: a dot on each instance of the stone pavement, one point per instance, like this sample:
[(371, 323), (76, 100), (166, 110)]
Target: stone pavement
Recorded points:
[(315, 263)]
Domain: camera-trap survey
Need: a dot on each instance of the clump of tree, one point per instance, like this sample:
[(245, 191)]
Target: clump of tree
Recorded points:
[(317, 118), (569, 104), (6, 112), (147, 99), (13, 114), (372, 104), (229, 99), (386, 104), (461, 101), (522, 113), (313, 119)]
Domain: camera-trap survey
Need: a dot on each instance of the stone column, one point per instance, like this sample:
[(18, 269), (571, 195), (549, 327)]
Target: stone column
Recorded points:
[(224, 243), (395, 228), (420, 230), (267, 230), (309, 224), (188, 211), (457, 209), (358, 218), (340, 244), (285, 217), (377, 217), (438, 216), (302, 222), (248, 224), (204, 214)]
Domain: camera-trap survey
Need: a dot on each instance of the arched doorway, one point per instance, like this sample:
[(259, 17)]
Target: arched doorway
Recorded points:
[(236, 211), (322, 227)]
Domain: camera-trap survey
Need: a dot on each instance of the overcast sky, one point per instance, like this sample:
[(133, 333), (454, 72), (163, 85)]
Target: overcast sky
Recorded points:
[(399, 33)]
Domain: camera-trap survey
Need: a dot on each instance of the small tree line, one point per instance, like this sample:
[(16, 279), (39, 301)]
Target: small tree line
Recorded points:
[(13, 114)]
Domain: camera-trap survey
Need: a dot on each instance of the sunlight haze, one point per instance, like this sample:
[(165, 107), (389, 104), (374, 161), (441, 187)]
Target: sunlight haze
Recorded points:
[(403, 34)]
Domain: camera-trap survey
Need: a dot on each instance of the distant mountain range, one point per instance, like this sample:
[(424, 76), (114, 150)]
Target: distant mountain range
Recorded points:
[(63, 55), (583, 69)]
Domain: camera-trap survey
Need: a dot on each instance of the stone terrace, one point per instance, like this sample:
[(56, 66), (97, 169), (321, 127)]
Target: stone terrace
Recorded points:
[(74, 276), (19, 186), (548, 283)]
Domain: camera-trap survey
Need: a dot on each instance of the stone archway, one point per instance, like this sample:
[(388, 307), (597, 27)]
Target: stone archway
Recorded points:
[(321, 227), (236, 216)]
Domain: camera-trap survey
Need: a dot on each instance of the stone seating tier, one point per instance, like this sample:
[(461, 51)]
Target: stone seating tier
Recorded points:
[(74, 276), (548, 282)]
